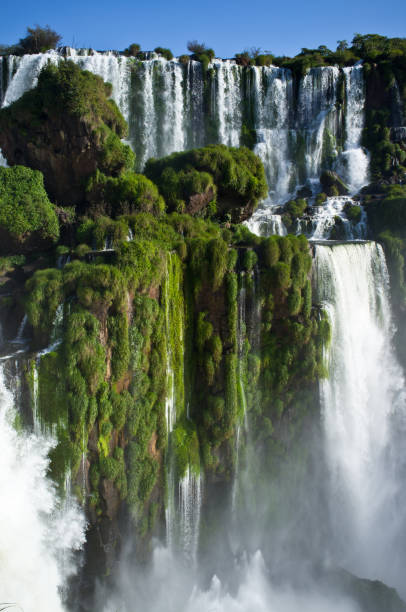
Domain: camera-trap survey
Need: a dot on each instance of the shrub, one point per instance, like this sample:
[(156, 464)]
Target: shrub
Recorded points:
[(200, 49), (109, 468), (353, 212), (166, 53), (126, 194), (132, 50), (236, 175), (26, 214)]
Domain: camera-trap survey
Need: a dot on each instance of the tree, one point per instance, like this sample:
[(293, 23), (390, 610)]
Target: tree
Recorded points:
[(342, 45), (39, 39), (196, 47)]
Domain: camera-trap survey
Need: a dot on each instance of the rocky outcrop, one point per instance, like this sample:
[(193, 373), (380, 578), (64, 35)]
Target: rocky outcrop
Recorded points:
[(67, 128), (332, 184)]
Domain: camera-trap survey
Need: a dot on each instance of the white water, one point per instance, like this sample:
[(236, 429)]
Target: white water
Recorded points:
[(354, 162), (265, 222), (255, 592), (324, 217), (190, 501), (363, 404), (3, 161), (38, 534), (163, 104)]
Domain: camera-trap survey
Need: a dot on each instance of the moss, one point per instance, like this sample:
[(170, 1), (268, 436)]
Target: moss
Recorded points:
[(118, 340), (232, 308), (26, 213), (249, 260), (123, 195), (109, 468), (45, 294), (235, 174), (271, 251), (186, 448)]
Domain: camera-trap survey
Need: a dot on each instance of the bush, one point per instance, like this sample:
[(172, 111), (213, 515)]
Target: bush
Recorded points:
[(195, 177), (199, 50), (122, 195), (26, 214), (166, 53), (133, 50)]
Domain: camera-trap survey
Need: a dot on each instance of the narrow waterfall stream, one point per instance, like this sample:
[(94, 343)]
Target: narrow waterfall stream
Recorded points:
[(363, 410)]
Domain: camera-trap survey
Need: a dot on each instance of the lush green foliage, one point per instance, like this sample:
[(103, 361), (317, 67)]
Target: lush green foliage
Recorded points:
[(123, 195), (38, 40), (236, 175), (166, 53), (24, 205)]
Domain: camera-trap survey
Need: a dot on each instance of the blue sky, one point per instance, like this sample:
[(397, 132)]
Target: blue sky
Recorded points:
[(281, 27)]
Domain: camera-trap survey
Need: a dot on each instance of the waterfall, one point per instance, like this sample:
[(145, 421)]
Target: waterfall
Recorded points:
[(41, 533), (182, 512), (324, 219), (273, 104), (164, 104), (3, 161), (190, 501), (353, 163), (265, 222), (241, 335), (228, 102), (55, 341), (19, 339), (364, 417)]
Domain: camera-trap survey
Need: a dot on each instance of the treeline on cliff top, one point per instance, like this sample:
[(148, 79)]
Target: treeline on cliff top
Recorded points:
[(365, 47)]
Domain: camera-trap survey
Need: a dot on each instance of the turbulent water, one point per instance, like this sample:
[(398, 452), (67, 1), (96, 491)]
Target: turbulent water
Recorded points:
[(39, 532), (364, 412)]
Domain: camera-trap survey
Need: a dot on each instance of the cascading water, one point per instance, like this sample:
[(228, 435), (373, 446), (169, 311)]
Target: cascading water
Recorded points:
[(353, 163), (324, 219), (182, 512), (363, 405), (164, 104), (190, 500), (36, 547)]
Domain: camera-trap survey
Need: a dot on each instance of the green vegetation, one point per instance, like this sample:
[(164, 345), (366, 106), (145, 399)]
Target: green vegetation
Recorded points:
[(38, 40), (166, 53), (27, 216), (293, 210), (75, 105), (152, 325), (201, 53), (123, 195), (210, 179), (133, 50)]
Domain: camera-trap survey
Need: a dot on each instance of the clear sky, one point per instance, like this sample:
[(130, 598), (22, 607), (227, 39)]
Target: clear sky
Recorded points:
[(228, 26)]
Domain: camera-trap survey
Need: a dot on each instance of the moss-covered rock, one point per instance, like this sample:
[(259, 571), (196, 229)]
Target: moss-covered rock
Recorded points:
[(332, 184), (67, 127), (212, 180), (28, 220)]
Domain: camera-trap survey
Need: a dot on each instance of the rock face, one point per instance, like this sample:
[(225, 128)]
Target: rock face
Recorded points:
[(67, 128), (332, 184)]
